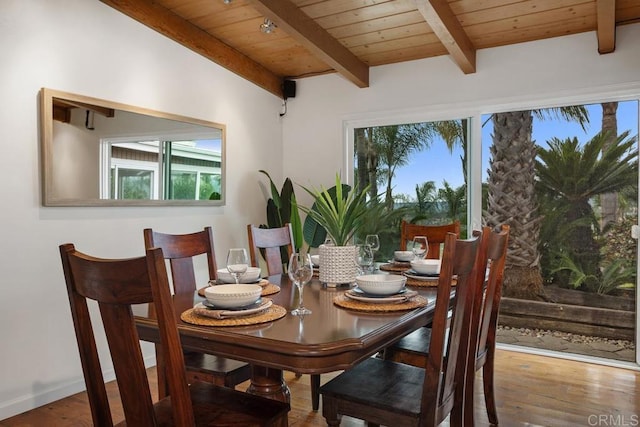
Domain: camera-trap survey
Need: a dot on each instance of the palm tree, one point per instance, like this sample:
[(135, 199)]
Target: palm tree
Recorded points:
[(366, 161), (455, 199), (425, 197), (571, 176), (394, 146), (609, 201), (512, 197)]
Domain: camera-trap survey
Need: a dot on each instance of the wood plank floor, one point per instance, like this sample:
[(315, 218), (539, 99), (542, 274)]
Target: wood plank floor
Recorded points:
[(531, 391)]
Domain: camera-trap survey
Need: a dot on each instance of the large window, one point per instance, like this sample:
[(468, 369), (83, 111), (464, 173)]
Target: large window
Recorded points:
[(415, 172), (564, 178)]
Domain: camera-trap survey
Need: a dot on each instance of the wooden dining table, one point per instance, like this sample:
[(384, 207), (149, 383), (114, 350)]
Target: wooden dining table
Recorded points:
[(329, 339)]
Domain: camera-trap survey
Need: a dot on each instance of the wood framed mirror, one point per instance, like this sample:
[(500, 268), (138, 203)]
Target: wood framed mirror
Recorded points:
[(102, 153)]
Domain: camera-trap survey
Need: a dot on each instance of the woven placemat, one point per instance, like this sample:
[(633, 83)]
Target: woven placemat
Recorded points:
[(345, 302), (395, 267), (431, 283), (268, 288), (274, 312)]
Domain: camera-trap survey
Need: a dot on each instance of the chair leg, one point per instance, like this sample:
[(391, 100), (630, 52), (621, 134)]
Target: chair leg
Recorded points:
[(163, 389), (330, 411), (315, 394), (487, 380)]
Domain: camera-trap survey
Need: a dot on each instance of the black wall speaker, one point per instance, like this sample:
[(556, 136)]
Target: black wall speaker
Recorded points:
[(289, 89)]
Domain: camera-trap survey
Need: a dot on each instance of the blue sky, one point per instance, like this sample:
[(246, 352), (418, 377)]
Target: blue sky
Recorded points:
[(438, 164)]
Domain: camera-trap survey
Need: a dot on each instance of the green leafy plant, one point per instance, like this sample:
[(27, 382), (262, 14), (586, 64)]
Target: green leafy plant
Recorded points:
[(282, 208), (339, 211)]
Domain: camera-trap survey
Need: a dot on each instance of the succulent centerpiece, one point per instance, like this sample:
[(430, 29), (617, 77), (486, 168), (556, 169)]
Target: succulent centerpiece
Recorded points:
[(336, 213)]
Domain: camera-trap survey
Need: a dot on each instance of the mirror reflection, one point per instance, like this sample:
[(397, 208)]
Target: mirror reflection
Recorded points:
[(97, 152)]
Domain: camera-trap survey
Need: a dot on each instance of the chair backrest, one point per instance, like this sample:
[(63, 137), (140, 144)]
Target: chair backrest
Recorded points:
[(447, 360), (487, 313), (269, 242), (435, 234), (180, 249), (116, 285)]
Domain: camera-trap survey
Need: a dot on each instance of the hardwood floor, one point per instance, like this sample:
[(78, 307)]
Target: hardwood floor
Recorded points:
[(531, 391)]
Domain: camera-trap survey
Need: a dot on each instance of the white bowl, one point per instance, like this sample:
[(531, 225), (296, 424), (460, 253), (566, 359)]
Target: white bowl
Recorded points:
[(404, 256), (426, 266), (315, 259), (232, 296), (250, 276), (381, 284)]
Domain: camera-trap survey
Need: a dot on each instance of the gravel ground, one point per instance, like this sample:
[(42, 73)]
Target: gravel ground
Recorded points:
[(572, 338)]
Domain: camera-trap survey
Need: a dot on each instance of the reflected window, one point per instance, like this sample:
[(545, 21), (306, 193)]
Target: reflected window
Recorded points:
[(143, 169)]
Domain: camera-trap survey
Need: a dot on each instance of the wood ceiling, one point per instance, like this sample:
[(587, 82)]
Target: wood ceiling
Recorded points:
[(314, 37)]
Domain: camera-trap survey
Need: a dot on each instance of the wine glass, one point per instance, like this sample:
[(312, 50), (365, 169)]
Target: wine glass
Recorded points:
[(374, 241), (364, 258), (420, 246), (237, 262), (300, 271)]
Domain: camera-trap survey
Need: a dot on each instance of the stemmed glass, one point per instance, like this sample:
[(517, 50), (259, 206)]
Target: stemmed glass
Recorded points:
[(300, 271), (420, 246), (374, 241), (364, 258), (237, 262)]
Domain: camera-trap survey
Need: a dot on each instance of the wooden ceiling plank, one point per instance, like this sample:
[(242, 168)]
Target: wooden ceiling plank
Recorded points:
[(606, 16), (443, 22), (486, 37), (558, 9), (375, 11), (181, 31), (537, 26), (378, 24), (315, 38)]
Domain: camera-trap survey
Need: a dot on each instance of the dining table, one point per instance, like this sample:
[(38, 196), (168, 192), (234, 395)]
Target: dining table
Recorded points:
[(330, 339)]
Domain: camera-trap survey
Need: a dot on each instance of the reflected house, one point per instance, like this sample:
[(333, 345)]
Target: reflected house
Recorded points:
[(193, 171)]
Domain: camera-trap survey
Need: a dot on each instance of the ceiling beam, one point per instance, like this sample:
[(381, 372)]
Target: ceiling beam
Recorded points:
[(447, 28), (293, 21), (606, 10), (182, 31)]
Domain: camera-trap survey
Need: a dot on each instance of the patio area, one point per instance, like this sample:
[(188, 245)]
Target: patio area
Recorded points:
[(568, 343)]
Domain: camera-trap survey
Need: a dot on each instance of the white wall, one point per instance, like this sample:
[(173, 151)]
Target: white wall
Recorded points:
[(530, 75), (88, 48)]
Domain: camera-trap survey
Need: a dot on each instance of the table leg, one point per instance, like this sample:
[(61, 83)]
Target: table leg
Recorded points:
[(269, 382)]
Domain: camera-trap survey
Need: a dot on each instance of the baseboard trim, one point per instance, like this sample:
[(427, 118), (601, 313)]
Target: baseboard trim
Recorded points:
[(28, 402)]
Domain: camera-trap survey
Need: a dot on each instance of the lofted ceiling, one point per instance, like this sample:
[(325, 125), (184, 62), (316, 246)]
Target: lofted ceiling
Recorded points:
[(313, 37)]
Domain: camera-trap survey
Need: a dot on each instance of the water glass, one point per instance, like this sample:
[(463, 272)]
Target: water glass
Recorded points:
[(374, 241), (237, 263), (300, 272), (420, 246), (364, 258)]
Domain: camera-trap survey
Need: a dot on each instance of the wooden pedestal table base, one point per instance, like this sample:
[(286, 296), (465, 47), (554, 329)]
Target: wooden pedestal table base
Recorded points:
[(269, 382)]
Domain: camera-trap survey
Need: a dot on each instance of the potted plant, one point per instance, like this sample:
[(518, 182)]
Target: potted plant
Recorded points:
[(340, 212)]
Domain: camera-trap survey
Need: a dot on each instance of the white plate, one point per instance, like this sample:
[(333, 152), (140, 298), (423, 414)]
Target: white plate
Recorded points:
[(234, 313), (362, 293), (426, 277), (398, 298)]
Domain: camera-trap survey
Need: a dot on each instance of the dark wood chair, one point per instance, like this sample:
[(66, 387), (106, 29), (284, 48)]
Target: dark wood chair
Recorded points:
[(180, 250), (269, 242), (116, 285), (394, 394), (435, 235), (413, 348)]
